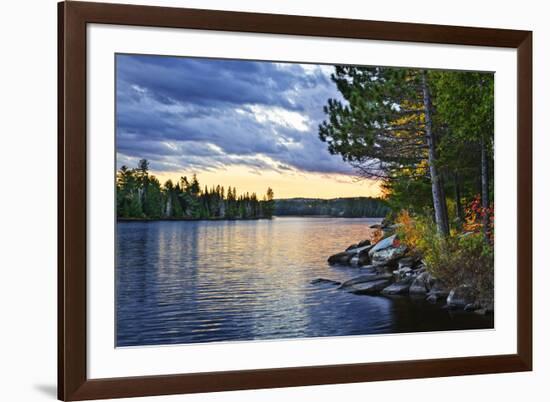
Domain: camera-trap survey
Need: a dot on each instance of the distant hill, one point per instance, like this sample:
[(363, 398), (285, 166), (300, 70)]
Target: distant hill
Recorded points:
[(338, 207)]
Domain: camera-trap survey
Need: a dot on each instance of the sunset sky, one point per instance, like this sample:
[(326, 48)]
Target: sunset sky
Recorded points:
[(251, 125)]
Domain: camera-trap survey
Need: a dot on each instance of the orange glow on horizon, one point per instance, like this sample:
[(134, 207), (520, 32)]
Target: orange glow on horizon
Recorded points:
[(285, 185)]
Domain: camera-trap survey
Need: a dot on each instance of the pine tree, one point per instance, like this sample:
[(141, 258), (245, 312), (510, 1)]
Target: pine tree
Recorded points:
[(269, 207), (385, 127)]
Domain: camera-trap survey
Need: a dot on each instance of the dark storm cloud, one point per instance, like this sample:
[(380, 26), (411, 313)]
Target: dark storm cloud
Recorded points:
[(203, 114)]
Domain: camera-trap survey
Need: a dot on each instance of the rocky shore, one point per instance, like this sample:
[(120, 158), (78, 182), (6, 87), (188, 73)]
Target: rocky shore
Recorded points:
[(387, 268)]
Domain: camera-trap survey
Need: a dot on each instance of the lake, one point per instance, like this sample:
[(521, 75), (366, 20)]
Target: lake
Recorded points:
[(204, 281)]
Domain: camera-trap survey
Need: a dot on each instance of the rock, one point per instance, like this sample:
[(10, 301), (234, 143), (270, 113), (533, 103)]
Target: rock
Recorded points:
[(364, 279), (419, 269), (362, 257), (399, 287), (388, 255), (405, 266), (471, 307), (359, 253), (340, 258), (361, 244), (382, 244), (323, 280), (376, 226), (359, 260), (387, 251), (432, 298), (437, 292), (402, 272), (377, 269), (409, 262), (369, 288), (460, 297), (358, 250), (369, 269), (421, 284)]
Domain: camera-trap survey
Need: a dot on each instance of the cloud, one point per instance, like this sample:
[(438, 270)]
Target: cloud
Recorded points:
[(204, 114)]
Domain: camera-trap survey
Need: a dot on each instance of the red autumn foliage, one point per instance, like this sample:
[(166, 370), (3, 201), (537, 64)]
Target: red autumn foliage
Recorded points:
[(474, 214)]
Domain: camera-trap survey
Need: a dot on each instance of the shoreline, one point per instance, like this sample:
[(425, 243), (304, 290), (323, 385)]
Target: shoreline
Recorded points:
[(187, 219), (328, 216), (242, 219), (388, 267)]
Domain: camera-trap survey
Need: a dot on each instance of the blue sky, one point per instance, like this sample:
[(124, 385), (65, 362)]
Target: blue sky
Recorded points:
[(210, 115)]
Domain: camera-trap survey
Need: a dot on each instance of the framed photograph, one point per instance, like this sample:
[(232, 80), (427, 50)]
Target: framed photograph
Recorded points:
[(253, 200)]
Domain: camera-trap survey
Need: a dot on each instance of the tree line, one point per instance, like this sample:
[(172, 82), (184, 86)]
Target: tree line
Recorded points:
[(351, 207), (427, 134), (139, 195)]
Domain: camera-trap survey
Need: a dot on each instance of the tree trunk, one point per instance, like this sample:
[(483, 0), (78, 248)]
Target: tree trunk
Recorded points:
[(484, 189), (438, 195), (459, 210)]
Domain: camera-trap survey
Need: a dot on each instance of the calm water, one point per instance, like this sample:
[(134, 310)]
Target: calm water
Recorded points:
[(204, 281)]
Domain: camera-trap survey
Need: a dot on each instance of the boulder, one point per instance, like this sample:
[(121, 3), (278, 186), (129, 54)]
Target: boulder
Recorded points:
[(384, 269), (437, 292), (369, 288), (376, 270), (382, 244), (388, 255), (460, 297), (406, 266), (402, 272), (369, 269), (421, 284), (364, 279), (358, 249), (399, 287), (387, 251), (364, 243), (324, 280), (361, 258), (407, 262), (340, 258)]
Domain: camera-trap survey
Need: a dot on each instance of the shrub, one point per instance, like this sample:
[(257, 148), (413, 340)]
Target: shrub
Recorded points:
[(455, 260), (474, 214)]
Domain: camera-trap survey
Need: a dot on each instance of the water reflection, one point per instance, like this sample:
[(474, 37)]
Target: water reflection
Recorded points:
[(187, 282)]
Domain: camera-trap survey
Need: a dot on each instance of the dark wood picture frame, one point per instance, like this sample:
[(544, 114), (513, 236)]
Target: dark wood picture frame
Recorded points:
[(73, 383)]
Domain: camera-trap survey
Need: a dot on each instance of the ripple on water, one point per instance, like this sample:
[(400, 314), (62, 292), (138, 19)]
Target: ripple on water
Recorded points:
[(207, 281)]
